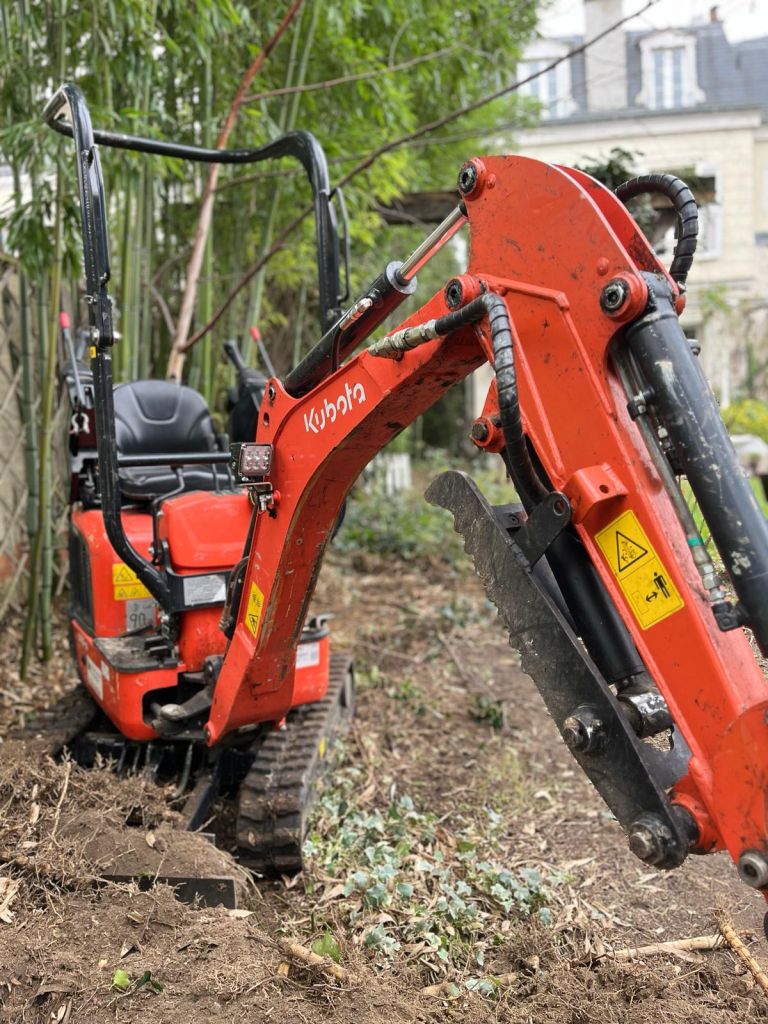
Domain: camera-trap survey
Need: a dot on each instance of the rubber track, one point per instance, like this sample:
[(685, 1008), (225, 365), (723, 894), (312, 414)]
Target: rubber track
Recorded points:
[(277, 794)]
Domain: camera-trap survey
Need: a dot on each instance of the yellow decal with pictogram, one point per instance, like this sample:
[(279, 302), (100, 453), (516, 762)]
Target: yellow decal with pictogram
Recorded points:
[(639, 571), (253, 611), (126, 585)]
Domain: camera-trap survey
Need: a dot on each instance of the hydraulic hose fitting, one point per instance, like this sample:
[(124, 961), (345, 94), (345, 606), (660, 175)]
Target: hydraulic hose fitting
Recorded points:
[(461, 290)]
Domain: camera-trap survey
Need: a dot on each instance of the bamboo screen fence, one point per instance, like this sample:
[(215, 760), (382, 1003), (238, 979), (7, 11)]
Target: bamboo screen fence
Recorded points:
[(19, 467)]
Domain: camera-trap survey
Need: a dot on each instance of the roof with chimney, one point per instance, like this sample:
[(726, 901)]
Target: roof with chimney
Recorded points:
[(730, 75)]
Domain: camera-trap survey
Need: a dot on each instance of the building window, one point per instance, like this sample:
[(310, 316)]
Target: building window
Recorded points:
[(668, 63), (544, 88), (668, 77), (552, 88)]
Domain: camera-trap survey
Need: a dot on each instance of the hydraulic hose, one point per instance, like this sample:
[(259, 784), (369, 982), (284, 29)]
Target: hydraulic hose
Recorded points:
[(524, 476), (594, 615), (685, 207)]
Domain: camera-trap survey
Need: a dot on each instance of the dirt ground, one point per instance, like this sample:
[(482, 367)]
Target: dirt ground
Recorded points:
[(444, 714)]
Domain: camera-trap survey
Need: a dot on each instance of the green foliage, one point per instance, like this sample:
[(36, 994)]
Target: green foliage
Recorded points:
[(170, 69), (121, 980), (402, 524), (401, 885), (326, 945), (747, 416), (486, 709), (405, 525), (614, 169), (142, 67)]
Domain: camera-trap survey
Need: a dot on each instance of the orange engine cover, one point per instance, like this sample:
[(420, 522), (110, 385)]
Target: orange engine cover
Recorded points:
[(204, 532)]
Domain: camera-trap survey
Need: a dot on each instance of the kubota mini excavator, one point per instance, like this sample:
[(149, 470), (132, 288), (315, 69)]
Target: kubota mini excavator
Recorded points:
[(192, 567)]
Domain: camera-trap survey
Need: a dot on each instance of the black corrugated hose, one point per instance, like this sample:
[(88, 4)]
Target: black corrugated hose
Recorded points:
[(686, 209), (524, 476)]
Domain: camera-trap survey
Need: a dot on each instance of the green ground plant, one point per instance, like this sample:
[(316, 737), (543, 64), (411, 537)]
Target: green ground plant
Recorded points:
[(402, 882)]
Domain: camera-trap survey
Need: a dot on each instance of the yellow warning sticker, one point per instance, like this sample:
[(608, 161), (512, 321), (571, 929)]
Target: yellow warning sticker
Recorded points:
[(253, 611), (126, 584), (639, 571)]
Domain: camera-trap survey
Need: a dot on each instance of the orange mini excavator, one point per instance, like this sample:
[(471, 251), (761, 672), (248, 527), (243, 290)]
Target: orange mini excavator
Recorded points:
[(193, 567)]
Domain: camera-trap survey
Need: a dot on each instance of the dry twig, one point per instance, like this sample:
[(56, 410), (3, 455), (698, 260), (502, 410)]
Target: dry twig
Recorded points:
[(64, 788)]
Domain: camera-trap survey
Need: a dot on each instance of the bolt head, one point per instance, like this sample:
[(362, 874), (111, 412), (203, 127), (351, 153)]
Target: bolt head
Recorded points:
[(583, 731), (572, 734), (479, 431), (650, 839), (614, 296), (467, 179), (753, 869), (643, 844)]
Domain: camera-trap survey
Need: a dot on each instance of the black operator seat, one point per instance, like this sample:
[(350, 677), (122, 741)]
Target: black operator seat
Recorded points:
[(162, 417)]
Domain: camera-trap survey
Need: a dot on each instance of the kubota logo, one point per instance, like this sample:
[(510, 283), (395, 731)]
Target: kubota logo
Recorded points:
[(315, 421)]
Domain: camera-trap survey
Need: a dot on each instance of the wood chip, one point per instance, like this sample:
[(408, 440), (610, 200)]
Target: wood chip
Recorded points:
[(9, 887)]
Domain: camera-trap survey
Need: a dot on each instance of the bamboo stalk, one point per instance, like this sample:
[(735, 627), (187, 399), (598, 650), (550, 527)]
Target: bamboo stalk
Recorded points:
[(287, 121), (136, 257), (700, 942), (176, 360), (46, 428), (298, 329), (49, 384), (206, 284), (744, 955), (27, 395), (145, 336)]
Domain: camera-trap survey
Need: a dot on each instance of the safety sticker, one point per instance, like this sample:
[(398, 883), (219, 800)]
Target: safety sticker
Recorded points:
[(253, 611), (93, 675), (308, 655), (126, 585), (640, 573)]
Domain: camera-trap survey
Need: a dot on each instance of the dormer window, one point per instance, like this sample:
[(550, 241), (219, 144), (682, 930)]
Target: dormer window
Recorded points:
[(668, 63)]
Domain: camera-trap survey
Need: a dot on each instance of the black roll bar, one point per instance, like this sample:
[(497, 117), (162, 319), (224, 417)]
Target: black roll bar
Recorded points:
[(93, 219), (302, 146)]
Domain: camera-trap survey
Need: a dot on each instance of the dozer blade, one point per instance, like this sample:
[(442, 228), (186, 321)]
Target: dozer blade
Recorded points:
[(278, 792), (631, 776)]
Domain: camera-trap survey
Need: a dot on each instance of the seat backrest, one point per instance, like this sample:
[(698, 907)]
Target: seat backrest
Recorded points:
[(154, 416)]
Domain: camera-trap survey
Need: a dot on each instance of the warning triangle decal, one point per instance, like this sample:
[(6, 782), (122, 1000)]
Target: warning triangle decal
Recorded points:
[(628, 551)]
